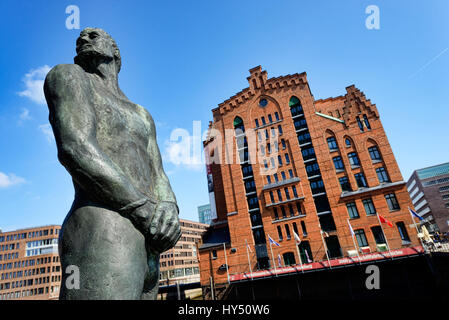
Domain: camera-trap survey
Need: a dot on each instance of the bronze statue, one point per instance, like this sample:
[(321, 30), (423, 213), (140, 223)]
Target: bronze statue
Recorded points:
[(124, 213)]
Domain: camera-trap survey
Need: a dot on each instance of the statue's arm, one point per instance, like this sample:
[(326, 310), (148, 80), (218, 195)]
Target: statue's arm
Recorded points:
[(164, 226), (162, 187), (73, 120)]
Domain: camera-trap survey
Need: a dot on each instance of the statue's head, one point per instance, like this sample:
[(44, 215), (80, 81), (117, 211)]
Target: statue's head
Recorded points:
[(95, 42)]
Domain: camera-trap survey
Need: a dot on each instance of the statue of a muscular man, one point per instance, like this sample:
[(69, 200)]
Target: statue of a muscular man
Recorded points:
[(124, 213)]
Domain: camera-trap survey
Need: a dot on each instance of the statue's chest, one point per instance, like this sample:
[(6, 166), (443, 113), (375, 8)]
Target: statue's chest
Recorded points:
[(120, 121)]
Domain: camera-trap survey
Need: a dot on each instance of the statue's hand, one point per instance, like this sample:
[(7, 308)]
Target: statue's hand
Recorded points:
[(164, 229)]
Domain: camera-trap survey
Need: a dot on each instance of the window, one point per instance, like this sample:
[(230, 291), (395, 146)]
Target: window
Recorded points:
[(214, 254), (287, 159), (280, 233), (263, 102), (353, 159), (392, 202), (271, 196), (369, 206), (361, 238), (332, 143), (283, 144), (287, 231), (298, 207), (279, 195), (360, 179), (270, 118), (280, 160), (445, 188), (304, 138), (352, 210), (374, 153), (292, 212), (268, 179), (344, 184), (382, 175), (256, 122), (360, 124), (365, 120), (276, 177), (378, 235), (295, 193), (295, 228), (263, 121), (269, 148), (287, 193), (280, 130), (348, 142), (273, 132), (284, 214), (283, 175), (290, 173), (276, 215), (266, 133), (276, 115), (338, 163), (403, 231), (308, 154), (303, 227), (262, 149)]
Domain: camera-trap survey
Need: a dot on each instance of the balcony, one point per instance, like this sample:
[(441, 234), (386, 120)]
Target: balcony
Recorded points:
[(280, 183), (284, 202)]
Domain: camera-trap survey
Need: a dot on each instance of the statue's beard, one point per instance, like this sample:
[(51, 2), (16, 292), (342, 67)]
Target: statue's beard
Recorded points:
[(89, 60)]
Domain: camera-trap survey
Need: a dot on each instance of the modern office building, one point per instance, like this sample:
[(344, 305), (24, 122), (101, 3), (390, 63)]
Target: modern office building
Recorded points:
[(180, 263), (283, 163), (29, 264), (204, 214), (429, 190)]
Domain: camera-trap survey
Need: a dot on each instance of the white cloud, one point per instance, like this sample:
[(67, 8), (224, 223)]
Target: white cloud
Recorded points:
[(10, 180), (34, 83), (24, 116), (184, 152), (47, 131)]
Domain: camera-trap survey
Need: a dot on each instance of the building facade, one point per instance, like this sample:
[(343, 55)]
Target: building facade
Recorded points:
[(204, 214), (180, 263), (285, 163), (29, 264), (429, 190)]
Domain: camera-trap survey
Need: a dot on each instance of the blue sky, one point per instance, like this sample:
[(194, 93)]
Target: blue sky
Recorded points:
[(182, 58)]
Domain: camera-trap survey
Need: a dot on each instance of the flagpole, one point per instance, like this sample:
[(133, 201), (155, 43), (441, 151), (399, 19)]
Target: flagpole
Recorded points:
[(353, 240), (226, 261), (417, 230), (325, 248), (299, 257), (385, 236), (272, 257), (249, 263)]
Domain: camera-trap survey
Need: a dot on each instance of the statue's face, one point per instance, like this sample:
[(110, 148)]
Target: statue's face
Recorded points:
[(95, 42)]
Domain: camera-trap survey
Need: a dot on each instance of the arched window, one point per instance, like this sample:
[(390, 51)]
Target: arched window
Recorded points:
[(238, 124), (348, 142), (295, 106)]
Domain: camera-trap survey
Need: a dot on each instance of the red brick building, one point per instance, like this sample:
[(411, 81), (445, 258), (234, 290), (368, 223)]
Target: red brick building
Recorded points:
[(29, 264), (285, 163)]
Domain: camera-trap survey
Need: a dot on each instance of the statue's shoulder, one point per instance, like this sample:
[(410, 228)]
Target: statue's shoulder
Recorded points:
[(146, 114), (64, 74)]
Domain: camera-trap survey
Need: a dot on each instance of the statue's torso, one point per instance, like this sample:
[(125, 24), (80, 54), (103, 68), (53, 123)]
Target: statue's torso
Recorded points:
[(123, 130)]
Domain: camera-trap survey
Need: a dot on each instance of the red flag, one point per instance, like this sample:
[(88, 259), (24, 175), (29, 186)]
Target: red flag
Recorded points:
[(383, 220)]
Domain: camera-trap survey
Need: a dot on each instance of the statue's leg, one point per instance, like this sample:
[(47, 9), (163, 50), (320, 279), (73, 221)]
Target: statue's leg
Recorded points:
[(109, 252)]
